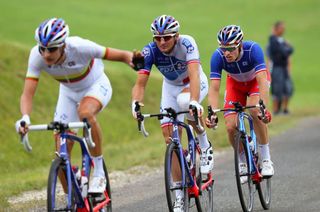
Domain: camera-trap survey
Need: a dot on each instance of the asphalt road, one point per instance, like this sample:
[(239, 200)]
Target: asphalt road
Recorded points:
[(295, 185)]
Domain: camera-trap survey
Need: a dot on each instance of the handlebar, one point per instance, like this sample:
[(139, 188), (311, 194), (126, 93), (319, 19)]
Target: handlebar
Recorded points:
[(58, 126), (238, 108), (170, 113)]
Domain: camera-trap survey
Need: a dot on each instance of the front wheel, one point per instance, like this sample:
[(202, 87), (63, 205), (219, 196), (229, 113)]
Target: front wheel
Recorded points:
[(244, 182), (264, 190), (173, 167), (107, 195), (57, 188)]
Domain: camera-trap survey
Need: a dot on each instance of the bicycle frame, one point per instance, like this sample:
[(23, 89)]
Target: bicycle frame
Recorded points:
[(193, 189), (82, 204), (86, 161), (253, 169)]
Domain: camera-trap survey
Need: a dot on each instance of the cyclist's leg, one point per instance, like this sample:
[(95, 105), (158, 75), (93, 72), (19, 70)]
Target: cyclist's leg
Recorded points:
[(261, 131), (95, 99), (235, 92), (66, 111), (168, 99), (183, 100)]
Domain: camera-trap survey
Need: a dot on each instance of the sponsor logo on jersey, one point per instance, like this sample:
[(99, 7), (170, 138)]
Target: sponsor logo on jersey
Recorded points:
[(71, 63), (146, 52), (188, 45)]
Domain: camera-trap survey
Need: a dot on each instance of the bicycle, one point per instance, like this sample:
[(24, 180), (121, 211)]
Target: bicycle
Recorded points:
[(64, 176), (193, 184), (245, 140)]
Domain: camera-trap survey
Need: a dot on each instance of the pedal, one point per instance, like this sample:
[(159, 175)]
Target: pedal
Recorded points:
[(97, 197)]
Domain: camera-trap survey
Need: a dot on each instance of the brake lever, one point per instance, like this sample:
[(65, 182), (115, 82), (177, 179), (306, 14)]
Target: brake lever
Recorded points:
[(25, 139)]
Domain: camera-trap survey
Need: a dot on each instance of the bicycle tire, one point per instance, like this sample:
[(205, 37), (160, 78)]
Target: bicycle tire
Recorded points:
[(108, 208), (246, 189), (264, 191), (204, 202), (172, 148), (55, 196)]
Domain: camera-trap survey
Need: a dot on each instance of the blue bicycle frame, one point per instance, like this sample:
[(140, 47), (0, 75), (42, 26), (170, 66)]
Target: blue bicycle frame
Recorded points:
[(191, 149), (86, 161), (242, 116)]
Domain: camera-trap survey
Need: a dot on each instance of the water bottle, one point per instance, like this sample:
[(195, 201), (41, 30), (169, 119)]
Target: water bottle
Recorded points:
[(251, 143), (77, 173), (84, 185), (188, 158)]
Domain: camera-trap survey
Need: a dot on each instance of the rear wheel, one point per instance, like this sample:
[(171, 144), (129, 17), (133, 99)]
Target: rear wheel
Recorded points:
[(56, 197), (172, 154), (244, 182)]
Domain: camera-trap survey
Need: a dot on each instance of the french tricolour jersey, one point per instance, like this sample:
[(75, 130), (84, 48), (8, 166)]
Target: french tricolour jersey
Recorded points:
[(173, 66), (82, 67), (245, 69)]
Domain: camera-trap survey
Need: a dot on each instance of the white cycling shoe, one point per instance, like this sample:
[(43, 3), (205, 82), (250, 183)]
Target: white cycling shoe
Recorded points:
[(243, 170), (267, 168), (97, 185), (206, 160), (178, 205)]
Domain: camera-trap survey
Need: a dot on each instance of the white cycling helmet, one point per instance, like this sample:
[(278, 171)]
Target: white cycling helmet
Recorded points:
[(230, 35), (165, 24), (52, 33)]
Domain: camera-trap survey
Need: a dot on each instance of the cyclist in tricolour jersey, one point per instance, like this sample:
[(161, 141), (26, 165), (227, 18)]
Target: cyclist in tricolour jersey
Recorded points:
[(248, 81), (184, 83), (85, 90)]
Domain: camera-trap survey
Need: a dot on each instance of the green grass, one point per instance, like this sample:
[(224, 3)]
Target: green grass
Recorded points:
[(125, 24)]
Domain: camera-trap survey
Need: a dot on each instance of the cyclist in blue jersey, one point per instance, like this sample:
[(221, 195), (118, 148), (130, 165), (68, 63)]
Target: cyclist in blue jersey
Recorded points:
[(248, 81), (184, 83)]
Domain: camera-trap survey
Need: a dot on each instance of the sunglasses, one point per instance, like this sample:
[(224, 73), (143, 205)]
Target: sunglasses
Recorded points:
[(165, 38), (51, 49), (229, 49)]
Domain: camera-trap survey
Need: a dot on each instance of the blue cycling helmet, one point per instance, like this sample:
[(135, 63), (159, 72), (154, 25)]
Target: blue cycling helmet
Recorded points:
[(52, 33), (230, 35), (164, 24)]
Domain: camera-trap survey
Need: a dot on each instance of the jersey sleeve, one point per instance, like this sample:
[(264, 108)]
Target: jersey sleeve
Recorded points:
[(191, 49), (34, 64), (258, 58), (216, 65), (148, 60)]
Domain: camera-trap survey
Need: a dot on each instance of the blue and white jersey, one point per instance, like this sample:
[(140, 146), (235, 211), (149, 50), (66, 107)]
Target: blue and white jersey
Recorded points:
[(173, 66), (250, 62)]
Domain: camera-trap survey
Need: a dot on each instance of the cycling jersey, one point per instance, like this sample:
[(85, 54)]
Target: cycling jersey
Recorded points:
[(250, 62), (173, 66), (81, 68)]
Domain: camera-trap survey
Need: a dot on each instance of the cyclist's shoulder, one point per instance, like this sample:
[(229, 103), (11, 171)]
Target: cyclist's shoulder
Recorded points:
[(250, 45), (217, 54), (149, 50), (76, 41), (187, 42), (35, 56)]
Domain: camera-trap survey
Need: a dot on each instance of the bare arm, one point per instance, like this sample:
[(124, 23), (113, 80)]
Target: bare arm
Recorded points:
[(263, 86), (213, 95), (139, 88), (194, 75), (119, 55), (29, 90)]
